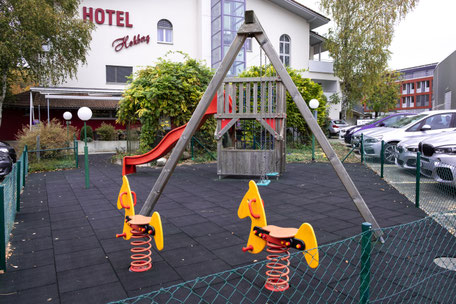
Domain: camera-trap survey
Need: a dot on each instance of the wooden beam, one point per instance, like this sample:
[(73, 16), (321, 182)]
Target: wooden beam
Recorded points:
[(269, 128), (359, 202), (192, 125), (226, 128)]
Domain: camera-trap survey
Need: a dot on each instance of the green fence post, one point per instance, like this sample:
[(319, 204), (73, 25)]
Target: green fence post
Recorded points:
[(191, 146), (18, 184), (382, 158), (86, 158), (25, 153), (365, 263), (362, 148), (2, 229), (76, 153), (418, 178)]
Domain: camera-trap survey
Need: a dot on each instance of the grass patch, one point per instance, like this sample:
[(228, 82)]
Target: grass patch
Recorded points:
[(51, 165), (301, 154), (304, 153)]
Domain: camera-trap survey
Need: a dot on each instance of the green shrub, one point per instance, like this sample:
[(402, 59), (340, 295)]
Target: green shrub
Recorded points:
[(105, 132), (52, 135), (89, 133), (167, 90)]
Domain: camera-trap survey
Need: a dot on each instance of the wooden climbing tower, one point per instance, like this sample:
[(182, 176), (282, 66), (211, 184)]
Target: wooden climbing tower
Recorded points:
[(250, 131)]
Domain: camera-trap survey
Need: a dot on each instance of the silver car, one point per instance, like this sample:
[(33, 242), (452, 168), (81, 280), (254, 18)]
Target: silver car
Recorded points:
[(406, 152), (335, 126), (438, 160), (424, 124)]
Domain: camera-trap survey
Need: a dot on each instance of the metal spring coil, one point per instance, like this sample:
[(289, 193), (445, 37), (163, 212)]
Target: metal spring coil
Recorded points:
[(278, 274), (141, 260)]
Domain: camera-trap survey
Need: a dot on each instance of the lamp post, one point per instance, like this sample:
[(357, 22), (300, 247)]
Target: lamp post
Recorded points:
[(314, 103), (67, 116), (84, 114)]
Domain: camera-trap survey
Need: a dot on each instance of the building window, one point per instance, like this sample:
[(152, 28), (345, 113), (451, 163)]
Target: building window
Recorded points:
[(284, 48), (422, 100), (226, 18), (118, 74), (104, 114), (164, 31)]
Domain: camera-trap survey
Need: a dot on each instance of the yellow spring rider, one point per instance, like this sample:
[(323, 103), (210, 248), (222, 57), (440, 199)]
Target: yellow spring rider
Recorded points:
[(140, 228), (278, 239)]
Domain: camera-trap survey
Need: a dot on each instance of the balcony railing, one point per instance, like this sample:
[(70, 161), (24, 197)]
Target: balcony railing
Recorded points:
[(321, 66)]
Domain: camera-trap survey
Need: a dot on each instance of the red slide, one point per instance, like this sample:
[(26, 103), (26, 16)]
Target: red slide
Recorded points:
[(164, 146)]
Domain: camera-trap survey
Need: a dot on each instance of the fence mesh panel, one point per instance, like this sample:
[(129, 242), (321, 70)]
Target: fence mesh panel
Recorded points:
[(9, 200), (403, 269), (430, 182)]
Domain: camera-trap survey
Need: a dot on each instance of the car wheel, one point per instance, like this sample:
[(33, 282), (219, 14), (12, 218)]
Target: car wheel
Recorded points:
[(390, 153)]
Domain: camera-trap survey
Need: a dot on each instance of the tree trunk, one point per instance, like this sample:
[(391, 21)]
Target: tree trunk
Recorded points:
[(2, 96), (343, 108)]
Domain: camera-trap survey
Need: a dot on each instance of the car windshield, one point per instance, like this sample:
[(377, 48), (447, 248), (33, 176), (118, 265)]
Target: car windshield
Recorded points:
[(372, 121), (339, 122), (407, 120)]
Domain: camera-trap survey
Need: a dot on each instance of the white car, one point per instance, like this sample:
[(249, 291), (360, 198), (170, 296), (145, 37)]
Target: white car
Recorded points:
[(424, 124), (438, 160)]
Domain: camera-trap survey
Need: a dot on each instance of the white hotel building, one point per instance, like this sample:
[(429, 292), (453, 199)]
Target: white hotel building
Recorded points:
[(131, 34)]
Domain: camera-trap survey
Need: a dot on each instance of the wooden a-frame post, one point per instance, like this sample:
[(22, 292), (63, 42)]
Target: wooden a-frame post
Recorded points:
[(252, 28)]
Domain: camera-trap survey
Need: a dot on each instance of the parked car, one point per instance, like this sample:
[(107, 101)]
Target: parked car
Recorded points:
[(6, 164), (335, 126), (343, 131), (5, 147), (438, 160), (427, 123), (383, 121), (406, 152)]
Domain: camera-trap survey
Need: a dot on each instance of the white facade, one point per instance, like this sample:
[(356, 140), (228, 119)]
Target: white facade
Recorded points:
[(191, 29)]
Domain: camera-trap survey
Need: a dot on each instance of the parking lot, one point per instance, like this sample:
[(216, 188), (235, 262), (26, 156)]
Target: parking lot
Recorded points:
[(434, 197)]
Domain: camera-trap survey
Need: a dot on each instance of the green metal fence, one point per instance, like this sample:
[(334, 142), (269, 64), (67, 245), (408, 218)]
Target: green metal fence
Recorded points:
[(428, 182), (42, 159), (415, 265), (10, 193)]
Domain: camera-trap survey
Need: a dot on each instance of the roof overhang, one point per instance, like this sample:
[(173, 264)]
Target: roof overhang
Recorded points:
[(88, 91), (316, 39), (76, 97), (315, 19)]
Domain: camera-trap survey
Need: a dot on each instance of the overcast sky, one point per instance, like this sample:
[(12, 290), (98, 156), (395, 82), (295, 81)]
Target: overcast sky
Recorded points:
[(426, 35)]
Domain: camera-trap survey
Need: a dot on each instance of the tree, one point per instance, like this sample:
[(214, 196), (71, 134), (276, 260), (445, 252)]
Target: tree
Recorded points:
[(307, 88), (167, 90), (41, 41), (385, 93), (359, 42)]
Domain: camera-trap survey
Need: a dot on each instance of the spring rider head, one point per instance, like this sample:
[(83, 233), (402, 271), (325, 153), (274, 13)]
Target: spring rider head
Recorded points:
[(279, 240), (140, 228)]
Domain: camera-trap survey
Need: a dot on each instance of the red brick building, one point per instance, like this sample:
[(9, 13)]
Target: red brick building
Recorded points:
[(416, 88)]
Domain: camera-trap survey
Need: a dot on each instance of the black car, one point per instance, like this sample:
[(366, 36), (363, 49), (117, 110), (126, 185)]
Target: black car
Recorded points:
[(6, 164), (5, 147)]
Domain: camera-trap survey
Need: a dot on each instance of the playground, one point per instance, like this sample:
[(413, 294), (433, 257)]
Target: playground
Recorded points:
[(197, 245), (64, 241)]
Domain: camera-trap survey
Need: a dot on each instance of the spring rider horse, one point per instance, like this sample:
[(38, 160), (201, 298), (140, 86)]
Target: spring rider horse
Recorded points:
[(140, 228), (279, 240)]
